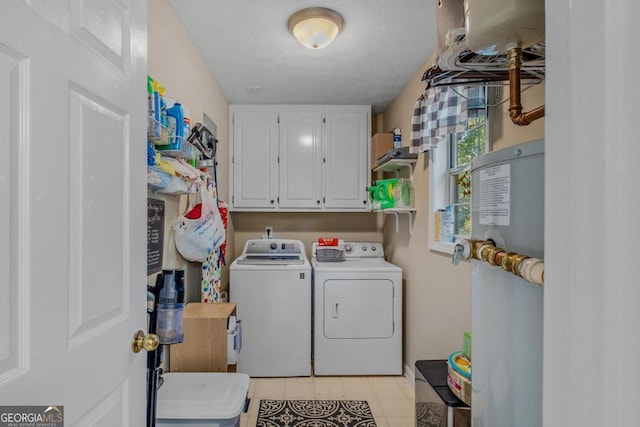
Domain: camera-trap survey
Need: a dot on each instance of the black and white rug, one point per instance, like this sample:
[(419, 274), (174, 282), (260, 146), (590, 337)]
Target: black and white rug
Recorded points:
[(315, 413)]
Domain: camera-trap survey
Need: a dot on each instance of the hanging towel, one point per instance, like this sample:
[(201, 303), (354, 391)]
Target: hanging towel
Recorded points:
[(440, 111), (418, 123)]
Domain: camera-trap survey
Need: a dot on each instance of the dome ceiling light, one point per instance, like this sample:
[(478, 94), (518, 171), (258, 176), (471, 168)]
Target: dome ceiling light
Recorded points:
[(315, 27)]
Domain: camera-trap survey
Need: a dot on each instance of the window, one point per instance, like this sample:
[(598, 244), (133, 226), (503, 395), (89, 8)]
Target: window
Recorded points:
[(450, 176)]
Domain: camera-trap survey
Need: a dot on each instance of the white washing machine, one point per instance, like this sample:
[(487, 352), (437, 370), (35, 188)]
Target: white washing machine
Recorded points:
[(270, 283), (357, 313)]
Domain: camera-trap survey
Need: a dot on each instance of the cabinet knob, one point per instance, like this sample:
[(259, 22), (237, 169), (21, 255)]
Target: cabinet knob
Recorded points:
[(318, 201), (272, 202)]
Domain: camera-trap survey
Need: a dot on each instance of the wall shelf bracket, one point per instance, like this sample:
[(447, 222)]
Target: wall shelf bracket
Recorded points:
[(395, 165), (395, 212)]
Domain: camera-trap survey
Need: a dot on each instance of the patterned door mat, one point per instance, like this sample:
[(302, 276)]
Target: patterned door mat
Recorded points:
[(315, 413)]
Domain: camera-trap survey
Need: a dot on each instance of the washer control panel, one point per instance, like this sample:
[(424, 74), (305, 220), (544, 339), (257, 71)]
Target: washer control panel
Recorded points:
[(363, 250), (269, 246)]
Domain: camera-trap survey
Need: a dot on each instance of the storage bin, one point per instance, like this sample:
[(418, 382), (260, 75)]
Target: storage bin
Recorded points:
[(459, 376), (329, 254), (201, 399), (157, 179), (179, 148), (380, 144), (436, 405)]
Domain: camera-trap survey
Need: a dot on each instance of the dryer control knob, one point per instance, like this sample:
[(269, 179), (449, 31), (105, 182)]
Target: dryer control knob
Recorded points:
[(273, 246), (348, 248), (373, 248), (364, 249)]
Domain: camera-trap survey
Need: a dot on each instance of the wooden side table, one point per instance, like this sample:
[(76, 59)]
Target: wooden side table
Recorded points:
[(204, 348)]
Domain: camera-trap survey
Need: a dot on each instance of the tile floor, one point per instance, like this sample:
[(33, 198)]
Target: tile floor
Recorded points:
[(391, 398)]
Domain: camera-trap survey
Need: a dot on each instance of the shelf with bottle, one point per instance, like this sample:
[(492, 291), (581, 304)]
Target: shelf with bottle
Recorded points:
[(402, 189), (165, 140), (169, 124), (395, 165), (393, 196)]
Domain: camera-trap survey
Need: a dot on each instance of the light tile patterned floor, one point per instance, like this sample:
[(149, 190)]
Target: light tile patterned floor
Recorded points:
[(391, 399)]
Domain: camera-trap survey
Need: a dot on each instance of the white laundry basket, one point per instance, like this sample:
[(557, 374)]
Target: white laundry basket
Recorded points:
[(201, 399)]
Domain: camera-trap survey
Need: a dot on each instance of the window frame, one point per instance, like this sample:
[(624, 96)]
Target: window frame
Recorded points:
[(441, 187)]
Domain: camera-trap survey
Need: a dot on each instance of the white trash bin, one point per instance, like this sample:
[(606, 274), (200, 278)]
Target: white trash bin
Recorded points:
[(201, 399)]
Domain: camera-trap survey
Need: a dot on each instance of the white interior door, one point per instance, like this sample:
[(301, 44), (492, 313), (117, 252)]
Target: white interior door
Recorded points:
[(72, 207)]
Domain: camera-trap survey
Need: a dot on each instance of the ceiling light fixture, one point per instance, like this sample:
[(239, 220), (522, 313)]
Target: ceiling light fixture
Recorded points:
[(315, 27)]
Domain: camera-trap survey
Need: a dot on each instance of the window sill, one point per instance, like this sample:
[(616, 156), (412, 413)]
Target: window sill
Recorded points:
[(444, 247)]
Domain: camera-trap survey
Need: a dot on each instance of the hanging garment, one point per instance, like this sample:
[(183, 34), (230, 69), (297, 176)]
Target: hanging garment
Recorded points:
[(211, 284)]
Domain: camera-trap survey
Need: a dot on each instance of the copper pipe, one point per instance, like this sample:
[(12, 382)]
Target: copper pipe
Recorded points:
[(487, 251), (514, 59)]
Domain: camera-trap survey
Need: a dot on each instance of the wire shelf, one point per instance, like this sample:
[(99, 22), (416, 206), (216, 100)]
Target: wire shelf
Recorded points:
[(458, 65)]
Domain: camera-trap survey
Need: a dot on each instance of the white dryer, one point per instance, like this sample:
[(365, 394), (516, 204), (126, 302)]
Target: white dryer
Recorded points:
[(270, 282), (357, 313)]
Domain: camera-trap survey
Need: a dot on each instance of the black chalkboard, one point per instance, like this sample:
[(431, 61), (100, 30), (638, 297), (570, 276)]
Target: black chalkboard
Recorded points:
[(155, 235)]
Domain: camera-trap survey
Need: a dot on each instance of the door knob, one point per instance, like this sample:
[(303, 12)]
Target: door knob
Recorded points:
[(139, 342)]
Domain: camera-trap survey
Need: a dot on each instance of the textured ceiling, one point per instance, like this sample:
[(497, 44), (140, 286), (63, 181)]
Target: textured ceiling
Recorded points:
[(255, 59)]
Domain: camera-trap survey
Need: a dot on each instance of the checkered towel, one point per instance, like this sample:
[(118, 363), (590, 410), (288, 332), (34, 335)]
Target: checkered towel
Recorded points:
[(440, 111)]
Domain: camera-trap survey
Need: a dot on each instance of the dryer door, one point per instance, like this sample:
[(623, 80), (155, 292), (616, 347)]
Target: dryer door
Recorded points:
[(361, 308)]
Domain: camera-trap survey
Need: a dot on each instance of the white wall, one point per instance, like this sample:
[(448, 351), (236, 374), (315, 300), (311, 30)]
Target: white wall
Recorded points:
[(592, 287), (174, 61)]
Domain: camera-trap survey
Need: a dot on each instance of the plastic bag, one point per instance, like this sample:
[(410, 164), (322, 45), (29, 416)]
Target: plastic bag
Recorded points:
[(200, 230)]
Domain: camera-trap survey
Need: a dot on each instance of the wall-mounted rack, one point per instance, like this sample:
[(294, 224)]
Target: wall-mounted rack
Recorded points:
[(458, 65), (396, 165)]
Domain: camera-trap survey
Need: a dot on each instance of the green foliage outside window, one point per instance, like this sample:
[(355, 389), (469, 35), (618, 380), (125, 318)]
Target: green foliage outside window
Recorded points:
[(465, 147)]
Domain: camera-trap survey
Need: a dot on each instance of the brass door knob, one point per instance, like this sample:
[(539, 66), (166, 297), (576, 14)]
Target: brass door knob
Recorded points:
[(141, 342)]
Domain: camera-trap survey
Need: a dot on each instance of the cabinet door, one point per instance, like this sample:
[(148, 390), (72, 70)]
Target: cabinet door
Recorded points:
[(300, 160), (255, 159), (345, 161)]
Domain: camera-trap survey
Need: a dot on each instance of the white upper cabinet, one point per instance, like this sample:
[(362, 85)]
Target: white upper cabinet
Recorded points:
[(254, 159), (300, 157), (345, 160), (300, 160)]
